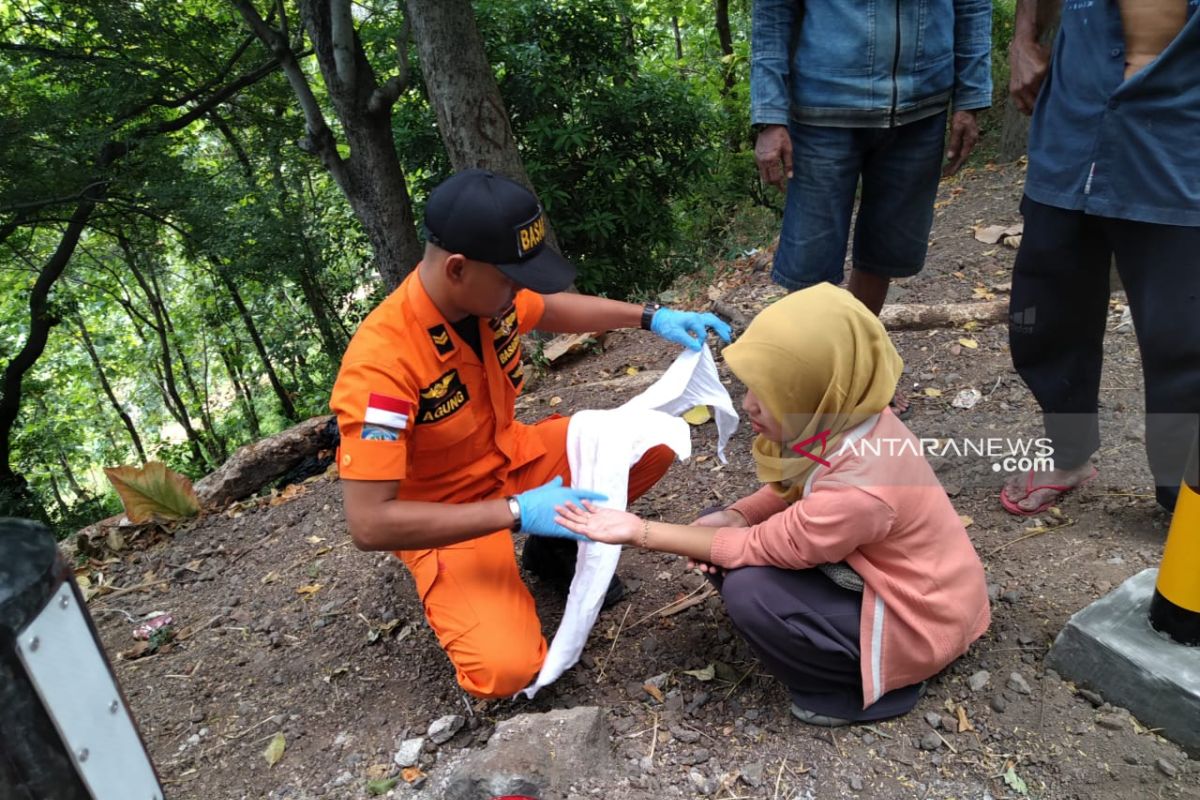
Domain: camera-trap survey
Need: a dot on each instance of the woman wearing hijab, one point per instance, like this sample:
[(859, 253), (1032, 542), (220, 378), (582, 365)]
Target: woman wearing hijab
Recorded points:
[(849, 572)]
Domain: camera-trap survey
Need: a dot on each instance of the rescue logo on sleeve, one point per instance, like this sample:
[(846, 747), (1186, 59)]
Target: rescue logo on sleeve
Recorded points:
[(442, 398), (441, 339), (385, 418)]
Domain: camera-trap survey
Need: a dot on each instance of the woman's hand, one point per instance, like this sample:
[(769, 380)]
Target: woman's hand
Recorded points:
[(600, 524)]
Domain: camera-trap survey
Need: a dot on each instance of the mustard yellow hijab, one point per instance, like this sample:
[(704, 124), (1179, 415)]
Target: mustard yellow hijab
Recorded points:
[(819, 361)]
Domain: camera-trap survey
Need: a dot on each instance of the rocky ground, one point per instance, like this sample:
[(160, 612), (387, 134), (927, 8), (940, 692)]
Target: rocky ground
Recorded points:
[(285, 630)]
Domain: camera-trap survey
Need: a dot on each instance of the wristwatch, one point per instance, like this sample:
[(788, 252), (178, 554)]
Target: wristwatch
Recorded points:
[(648, 311), (514, 508)]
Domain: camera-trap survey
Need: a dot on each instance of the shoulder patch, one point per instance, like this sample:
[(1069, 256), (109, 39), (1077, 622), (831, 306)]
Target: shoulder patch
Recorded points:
[(441, 339), (442, 398)]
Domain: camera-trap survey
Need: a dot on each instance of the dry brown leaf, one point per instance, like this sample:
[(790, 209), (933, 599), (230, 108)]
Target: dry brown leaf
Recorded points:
[(964, 724), (932, 392), (989, 234), (631, 370), (308, 590), (411, 774), (967, 521), (554, 400), (153, 493), (970, 344), (270, 577), (314, 539), (653, 691)]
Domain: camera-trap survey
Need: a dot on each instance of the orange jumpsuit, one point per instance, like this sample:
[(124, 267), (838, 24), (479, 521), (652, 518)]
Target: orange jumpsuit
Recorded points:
[(414, 403)]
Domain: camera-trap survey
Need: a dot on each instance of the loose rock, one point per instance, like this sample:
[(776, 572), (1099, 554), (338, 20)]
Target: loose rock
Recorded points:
[(933, 719), (752, 774), (409, 751), (979, 680), (443, 729), (1017, 682), (930, 741), (1166, 768), (856, 783)]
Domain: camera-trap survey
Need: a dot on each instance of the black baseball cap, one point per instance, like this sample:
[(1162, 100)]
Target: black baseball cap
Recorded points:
[(490, 218)]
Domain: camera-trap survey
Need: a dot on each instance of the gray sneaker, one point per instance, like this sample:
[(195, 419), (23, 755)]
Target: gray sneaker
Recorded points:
[(820, 720)]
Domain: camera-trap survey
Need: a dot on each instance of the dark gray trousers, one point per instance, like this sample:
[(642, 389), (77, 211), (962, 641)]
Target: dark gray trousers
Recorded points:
[(804, 628)]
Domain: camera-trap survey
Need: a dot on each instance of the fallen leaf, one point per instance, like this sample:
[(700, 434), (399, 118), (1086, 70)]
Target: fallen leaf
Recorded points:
[(697, 415), (274, 750), (653, 691), (381, 786), (983, 293), (991, 252), (153, 493), (989, 234), (314, 540), (411, 774), (706, 674), (1014, 781), (967, 521), (958, 275), (322, 551), (115, 541), (309, 590), (554, 400), (631, 370), (970, 344), (270, 577), (725, 672), (970, 325), (932, 392), (964, 724), (1013, 241)]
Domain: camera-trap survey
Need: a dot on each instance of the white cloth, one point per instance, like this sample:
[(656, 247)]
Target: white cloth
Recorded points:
[(601, 447)]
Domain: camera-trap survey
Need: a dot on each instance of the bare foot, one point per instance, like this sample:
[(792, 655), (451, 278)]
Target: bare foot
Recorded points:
[(1048, 486), (899, 404)]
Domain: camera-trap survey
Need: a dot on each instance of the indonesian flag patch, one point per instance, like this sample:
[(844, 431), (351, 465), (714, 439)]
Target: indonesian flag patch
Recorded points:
[(385, 418)]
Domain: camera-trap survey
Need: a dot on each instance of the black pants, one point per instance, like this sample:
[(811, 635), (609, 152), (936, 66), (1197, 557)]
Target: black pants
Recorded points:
[(1057, 317), (805, 630)]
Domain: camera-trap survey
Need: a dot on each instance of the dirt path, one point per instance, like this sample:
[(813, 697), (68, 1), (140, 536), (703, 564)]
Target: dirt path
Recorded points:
[(305, 636)]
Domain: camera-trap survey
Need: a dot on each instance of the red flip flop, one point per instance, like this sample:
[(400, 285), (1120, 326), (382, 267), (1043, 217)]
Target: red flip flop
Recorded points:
[(1011, 506)]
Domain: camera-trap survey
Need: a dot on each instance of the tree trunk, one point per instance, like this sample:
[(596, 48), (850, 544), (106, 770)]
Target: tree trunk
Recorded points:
[(16, 499), (63, 509), (1014, 130), (285, 399), (167, 363), (472, 119), (126, 420), (370, 176), (243, 393), (678, 39), (725, 38)]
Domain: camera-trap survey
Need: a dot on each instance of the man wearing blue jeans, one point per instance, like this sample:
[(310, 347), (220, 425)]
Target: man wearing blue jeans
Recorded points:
[(842, 91), (1114, 173)]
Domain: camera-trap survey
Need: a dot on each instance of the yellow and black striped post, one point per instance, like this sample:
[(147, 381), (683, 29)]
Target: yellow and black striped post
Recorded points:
[(1175, 608)]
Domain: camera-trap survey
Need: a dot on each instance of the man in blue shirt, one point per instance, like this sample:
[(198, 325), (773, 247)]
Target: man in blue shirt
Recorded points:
[(1114, 170), (842, 91)]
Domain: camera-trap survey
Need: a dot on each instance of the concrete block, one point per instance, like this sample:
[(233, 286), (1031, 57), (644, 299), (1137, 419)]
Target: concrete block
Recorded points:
[(1109, 647)]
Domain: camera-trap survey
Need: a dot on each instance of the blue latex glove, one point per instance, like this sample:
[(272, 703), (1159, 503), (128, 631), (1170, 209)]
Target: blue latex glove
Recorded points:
[(688, 328), (537, 508)]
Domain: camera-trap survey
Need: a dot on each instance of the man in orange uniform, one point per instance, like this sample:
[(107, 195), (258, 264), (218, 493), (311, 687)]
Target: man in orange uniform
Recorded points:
[(433, 464)]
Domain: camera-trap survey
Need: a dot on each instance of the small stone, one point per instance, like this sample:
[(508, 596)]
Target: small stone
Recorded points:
[(868, 739), (1112, 723), (930, 741), (1131, 758), (752, 774), (998, 703), (701, 783), (697, 756), (993, 592), (341, 780), (1012, 597), (1091, 697), (1166, 768), (198, 715), (408, 752), (658, 681), (1017, 683), (933, 719), (685, 735), (856, 783), (1025, 639), (443, 729), (979, 680), (646, 764), (936, 759)]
